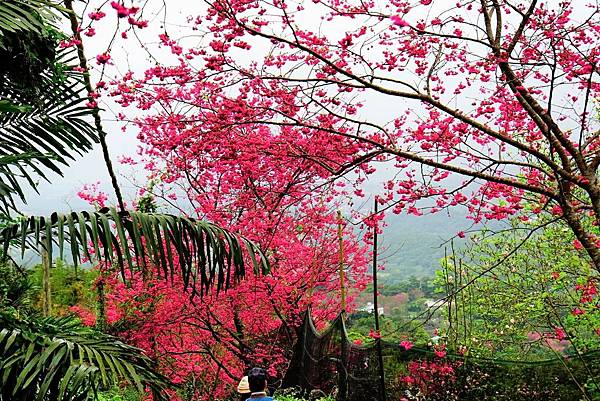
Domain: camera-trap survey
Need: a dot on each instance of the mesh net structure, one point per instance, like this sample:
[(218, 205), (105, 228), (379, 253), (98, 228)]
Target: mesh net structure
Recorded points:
[(328, 363)]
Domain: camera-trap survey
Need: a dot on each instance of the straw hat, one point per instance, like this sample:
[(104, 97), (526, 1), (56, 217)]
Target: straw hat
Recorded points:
[(243, 386)]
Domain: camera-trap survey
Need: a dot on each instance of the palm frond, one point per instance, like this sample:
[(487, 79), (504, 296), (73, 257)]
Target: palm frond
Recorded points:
[(18, 16), (56, 359), (52, 129), (203, 254)]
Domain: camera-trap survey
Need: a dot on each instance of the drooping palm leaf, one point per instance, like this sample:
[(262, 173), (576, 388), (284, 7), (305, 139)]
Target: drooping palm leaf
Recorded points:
[(51, 127), (8, 161), (205, 255), (53, 359)]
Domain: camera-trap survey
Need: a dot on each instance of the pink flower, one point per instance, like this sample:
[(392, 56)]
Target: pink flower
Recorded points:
[(139, 23), (91, 194), (426, 2), (97, 16), (374, 334), (577, 245), (461, 234), (123, 11), (577, 312), (559, 333), (440, 353), (406, 344), (358, 341), (90, 32), (555, 275), (69, 43), (102, 58), (87, 317), (396, 20)]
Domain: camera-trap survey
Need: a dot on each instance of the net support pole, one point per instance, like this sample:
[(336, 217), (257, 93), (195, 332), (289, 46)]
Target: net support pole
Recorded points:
[(382, 395), (343, 363), (341, 261)]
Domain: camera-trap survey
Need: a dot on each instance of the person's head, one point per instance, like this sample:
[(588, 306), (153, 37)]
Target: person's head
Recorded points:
[(257, 380)]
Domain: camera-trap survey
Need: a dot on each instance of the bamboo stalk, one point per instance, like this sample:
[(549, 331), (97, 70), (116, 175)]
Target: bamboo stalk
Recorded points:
[(46, 290)]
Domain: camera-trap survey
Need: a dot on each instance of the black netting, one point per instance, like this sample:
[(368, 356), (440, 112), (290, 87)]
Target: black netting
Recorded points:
[(328, 363)]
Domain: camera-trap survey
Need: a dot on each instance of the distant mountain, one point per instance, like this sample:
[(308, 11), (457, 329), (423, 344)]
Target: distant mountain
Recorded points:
[(414, 245)]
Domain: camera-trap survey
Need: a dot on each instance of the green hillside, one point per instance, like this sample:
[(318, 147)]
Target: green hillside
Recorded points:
[(413, 245)]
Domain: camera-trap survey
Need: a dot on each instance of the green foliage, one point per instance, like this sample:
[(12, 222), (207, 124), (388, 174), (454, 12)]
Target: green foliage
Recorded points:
[(414, 245), (477, 380), (519, 292), (294, 398), (146, 203), (69, 286), (392, 329), (54, 359), (28, 39), (119, 394), (424, 284), (51, 359), (44, 120), (405, 303), (15, 290), (7, 106)]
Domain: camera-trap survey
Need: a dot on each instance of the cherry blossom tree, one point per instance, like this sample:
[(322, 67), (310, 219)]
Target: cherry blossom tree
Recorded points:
[(208, 344), (246, 179), (499, 93)]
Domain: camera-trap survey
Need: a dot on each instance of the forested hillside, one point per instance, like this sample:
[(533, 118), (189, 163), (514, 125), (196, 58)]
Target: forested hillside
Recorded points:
[(413, 245)]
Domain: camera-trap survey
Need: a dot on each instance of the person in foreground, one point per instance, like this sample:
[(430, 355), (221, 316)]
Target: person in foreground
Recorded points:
[(257, 381)]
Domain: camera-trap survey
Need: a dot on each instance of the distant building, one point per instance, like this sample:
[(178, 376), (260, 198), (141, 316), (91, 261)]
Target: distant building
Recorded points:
[(369, 307), (432, 303)]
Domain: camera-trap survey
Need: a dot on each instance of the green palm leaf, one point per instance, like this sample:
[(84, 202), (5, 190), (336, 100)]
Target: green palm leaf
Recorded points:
[(19, 16), (55, 359), (203, 254), (46, 127)]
